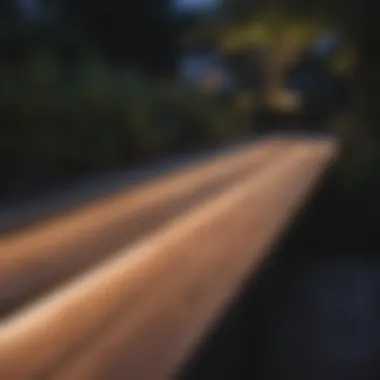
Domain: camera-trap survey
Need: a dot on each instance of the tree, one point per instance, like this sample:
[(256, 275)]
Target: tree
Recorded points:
[(359, 21)]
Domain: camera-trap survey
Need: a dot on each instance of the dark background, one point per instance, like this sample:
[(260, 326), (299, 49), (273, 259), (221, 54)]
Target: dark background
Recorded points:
[(93, 86)]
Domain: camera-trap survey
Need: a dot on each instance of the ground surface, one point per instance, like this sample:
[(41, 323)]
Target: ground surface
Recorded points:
[(315, 311), (134, 315), (36, 258)]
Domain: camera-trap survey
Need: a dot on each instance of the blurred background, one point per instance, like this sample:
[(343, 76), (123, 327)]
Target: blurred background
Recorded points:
[(90, 86)]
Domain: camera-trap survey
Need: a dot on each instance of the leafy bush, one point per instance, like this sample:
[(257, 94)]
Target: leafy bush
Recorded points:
[(59, 118)]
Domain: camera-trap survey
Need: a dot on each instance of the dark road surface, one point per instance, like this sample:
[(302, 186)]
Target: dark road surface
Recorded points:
[(36, 259), (314, 313), (137, 315)]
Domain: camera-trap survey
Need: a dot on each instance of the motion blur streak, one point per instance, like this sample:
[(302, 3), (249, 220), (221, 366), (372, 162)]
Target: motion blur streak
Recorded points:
[(138, 315), (33, 261)]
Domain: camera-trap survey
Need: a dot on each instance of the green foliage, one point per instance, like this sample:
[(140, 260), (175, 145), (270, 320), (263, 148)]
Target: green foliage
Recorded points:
[(68, 118)]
